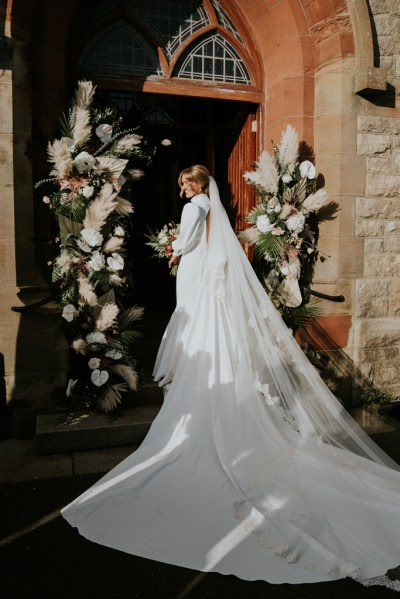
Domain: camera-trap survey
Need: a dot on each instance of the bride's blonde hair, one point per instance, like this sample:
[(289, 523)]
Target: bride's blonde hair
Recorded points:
[(197, 173)]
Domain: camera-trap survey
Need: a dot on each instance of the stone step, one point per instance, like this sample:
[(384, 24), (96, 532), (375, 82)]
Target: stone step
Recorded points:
[(93, 430)]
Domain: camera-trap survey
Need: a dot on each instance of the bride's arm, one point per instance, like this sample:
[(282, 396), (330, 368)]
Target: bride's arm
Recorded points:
[(192, 220)]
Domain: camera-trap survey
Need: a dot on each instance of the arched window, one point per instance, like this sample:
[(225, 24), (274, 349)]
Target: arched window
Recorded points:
[(121, 48), (213, 59), (169, 39)]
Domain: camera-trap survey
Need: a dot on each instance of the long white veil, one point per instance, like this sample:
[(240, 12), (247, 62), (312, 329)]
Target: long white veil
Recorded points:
[(281, 370)]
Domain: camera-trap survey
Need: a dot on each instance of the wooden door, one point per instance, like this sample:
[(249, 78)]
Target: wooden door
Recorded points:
[(240, 160)]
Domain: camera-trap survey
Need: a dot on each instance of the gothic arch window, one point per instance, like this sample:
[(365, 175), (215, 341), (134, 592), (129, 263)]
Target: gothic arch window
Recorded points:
[(123, 49), (166, 40), (214, 59)]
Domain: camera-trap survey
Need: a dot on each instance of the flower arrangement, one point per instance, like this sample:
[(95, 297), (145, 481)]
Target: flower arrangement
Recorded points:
[(161, 242), (283, 221), (90, 183)]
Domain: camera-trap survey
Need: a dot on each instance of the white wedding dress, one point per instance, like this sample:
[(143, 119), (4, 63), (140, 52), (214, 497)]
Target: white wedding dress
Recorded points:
[(251, 467)]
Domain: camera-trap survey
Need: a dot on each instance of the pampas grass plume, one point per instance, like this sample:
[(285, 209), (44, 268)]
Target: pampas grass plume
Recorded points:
[(106, 319), (100, 208), (86, 291)]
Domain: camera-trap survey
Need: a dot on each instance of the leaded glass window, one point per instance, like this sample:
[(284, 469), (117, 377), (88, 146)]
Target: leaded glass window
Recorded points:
[(214, 59), (122, 49), (224, 19), (172, 21)]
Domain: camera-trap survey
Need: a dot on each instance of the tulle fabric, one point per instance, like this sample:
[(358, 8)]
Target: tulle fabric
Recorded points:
[(252, 466)]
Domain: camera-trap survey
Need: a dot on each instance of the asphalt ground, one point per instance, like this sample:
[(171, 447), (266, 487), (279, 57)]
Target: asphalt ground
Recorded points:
[(41, 556)]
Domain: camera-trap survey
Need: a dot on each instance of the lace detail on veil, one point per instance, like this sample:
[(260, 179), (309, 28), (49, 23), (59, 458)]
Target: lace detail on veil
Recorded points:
[(275, 402)]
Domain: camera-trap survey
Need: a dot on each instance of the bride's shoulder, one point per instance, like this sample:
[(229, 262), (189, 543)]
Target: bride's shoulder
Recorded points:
[(201, 200)]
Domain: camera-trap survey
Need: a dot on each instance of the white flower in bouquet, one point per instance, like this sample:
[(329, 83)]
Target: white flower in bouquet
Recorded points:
[(119, 231), (92, 237), (88, 191), (95, 337), (295, 222), (99, 377), (104, 132), (287, 178), (94, 363), (69, 312), (307, 169), (115, 261), (114, 354), (273, 205), (97, 261), (264, 224), (84, 162)]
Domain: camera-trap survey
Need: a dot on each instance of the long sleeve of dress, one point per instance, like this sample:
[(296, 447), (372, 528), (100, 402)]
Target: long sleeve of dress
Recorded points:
[(192, 226)]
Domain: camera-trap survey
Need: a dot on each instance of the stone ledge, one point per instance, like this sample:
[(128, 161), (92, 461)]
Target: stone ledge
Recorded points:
[(93, 430)]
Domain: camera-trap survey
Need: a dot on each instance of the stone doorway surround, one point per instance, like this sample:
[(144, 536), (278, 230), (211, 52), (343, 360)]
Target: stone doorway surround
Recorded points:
[(318, 72)]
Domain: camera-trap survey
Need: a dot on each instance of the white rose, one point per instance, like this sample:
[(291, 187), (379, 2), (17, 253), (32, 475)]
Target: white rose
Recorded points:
[(94, 363), (84, 162), (286, 178), (92, 237), (88, 191), (69, 312), (97, 261), (96, 337), (296, 222), (115, 262), (263, 224)]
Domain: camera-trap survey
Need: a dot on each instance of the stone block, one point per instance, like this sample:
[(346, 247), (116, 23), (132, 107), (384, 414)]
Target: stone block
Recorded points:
[(392, 227), (383, 23), (389, 355), (394, 298), (377, 208), (378, 124), (343, 287), (381, 265), (370, 227), (392, 243), (371, 298), (351, 257), (6, 103), (388, 64), (382, 185), (378, 164), (374, 246), (369, 144), (377, 332)]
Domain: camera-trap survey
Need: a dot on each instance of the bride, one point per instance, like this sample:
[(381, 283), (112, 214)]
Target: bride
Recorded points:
[(252, 467)]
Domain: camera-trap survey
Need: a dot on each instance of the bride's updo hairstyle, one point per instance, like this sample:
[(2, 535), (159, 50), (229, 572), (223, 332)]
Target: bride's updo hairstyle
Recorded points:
[(197, 173)]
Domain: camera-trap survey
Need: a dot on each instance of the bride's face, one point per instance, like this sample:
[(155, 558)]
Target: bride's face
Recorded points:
[(190, 188)]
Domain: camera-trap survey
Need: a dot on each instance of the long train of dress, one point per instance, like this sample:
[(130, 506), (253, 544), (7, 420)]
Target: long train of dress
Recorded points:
[(230, 480)]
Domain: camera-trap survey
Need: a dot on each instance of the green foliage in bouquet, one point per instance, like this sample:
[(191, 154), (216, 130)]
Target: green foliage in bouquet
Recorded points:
[(88, 195), (284, 226)]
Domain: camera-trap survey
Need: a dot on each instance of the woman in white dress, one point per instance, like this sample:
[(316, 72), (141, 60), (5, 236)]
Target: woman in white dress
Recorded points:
[(252, 467)]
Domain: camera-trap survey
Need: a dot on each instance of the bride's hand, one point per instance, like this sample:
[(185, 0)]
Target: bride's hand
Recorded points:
[(174, 260)]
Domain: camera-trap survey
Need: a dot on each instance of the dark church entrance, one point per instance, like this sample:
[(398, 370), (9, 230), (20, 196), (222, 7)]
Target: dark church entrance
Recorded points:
[(183, 131)]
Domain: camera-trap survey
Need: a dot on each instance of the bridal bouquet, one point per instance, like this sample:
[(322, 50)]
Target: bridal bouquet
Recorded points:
[(283, 221), (89, 189), (161, 242)]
